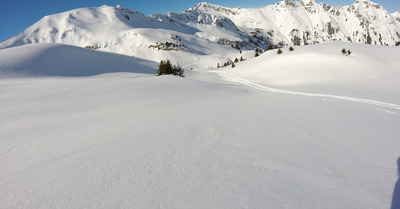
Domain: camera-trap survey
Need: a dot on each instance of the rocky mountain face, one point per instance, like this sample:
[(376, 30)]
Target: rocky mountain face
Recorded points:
[(206, 28), (306, 22)]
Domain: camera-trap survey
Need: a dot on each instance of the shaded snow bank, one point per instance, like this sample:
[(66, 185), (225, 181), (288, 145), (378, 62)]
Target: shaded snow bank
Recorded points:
[(65, 60)]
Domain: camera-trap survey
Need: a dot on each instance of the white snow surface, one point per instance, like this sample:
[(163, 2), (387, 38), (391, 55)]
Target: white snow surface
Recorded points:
[(63, 60), (310, 128)]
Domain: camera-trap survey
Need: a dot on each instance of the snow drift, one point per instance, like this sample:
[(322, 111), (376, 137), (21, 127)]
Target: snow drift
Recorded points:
[(65, 60)]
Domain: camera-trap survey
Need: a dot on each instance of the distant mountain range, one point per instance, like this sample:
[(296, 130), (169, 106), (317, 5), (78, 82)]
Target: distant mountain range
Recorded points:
[(208, 29)]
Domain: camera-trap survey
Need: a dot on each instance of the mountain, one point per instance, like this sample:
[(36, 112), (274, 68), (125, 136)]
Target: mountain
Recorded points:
[(211, 30), (307, 22)]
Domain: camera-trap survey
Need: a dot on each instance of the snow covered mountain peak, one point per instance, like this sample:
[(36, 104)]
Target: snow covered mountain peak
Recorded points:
[(309, 5), (202, 5), (211, 8), (307, 2), (286, 4), (209, 29), (367, 4)]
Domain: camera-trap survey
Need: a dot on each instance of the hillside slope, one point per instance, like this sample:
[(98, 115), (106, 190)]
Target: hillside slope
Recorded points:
[(64, 60), (135, 140), (370, 70), (119, 30)]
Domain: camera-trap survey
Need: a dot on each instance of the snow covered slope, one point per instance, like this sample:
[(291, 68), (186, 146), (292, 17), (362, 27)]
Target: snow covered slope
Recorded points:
[(214, 139), (307, 22), (207, 29), (119, 30), (370, 70), (64, 60)]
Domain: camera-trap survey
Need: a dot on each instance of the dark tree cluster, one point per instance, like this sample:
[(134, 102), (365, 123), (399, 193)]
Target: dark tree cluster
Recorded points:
[(166, 68), (227, 63), (258, 52), (346, 52)]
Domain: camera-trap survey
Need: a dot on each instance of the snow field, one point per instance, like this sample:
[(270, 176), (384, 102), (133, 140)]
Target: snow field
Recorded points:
[(370, 72), (135, 140)]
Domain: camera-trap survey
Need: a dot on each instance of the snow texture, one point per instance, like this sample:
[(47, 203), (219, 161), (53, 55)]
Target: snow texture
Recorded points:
[(310, 128)]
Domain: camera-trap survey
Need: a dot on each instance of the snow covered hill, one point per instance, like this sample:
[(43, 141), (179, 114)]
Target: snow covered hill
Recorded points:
[(207, 29), (370, 70), (64, 60), (254, 136)]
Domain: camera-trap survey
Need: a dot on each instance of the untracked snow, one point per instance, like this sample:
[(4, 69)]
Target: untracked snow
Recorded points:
[(63, 60), (91, 138)]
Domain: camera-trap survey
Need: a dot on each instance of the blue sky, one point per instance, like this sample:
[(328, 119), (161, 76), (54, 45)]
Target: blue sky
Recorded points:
[(16, 15)]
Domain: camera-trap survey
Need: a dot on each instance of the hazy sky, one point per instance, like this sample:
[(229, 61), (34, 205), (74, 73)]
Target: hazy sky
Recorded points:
[(17, 15)]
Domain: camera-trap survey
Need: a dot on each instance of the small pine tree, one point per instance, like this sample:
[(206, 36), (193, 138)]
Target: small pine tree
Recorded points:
[(166, 68), (348, 52), (344, 51), (269, 47), (279, 51), (291, 49), (218, 65), (177, 70), (257, 54), (236, 60), (398, 43), (233, 65), (241, 59)]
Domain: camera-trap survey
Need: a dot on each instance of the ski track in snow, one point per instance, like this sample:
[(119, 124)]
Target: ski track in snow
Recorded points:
[(253, 84)]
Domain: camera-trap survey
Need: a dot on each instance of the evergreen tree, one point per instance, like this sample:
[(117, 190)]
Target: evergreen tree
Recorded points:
[(241, 59), (291, 49), (218, 65), (233, 65), (236, 60), (257, 54), (269, 47), (348, 52), (280, 51), (166, 68), (177, 70), (344, 51)]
